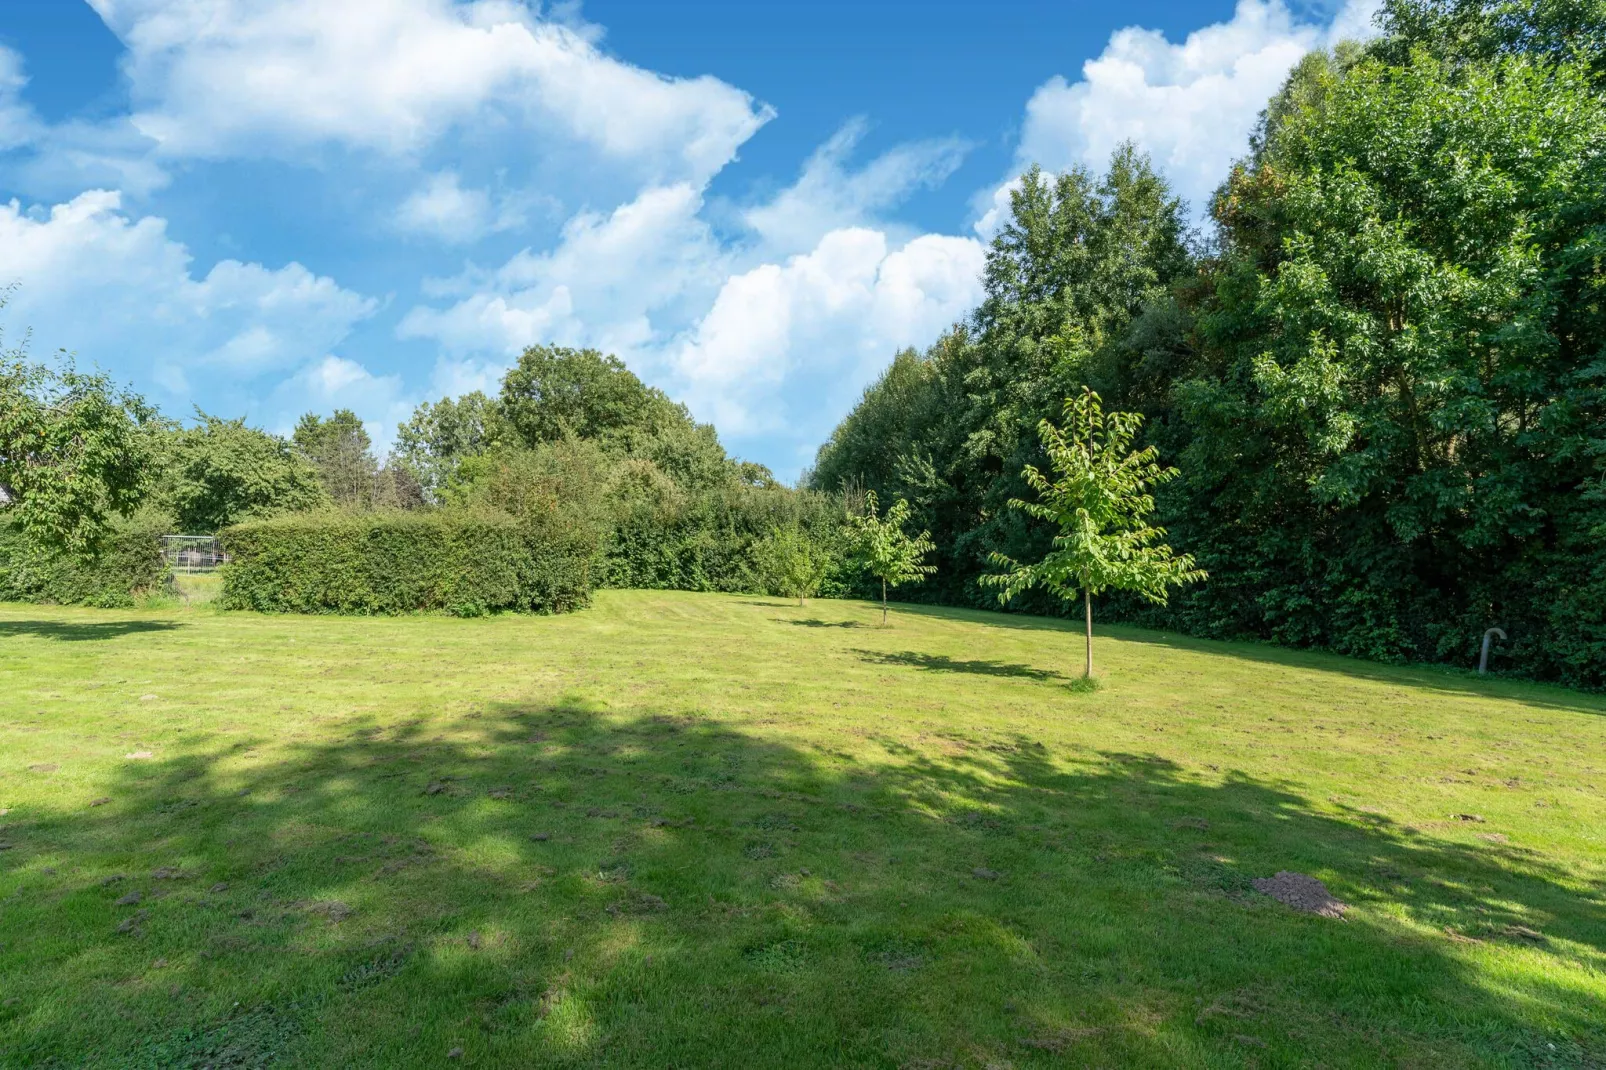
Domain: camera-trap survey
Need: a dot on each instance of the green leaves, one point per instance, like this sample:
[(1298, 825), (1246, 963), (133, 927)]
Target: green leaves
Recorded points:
[(791, 563), (883, 549), (222, 472), (1099, 503), (1385, 378), (554, 393), (74, 452)]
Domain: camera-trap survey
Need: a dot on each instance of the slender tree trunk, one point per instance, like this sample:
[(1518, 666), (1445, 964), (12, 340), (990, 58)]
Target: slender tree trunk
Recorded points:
[(1087, 601), (883, 603)]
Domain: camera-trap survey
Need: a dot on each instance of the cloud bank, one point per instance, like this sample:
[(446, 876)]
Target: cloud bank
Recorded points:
[(1190, 104), (547, 192)]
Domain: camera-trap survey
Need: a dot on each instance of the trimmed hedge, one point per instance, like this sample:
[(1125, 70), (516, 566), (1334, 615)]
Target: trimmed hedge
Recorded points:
[(458, 562), (130, 564)]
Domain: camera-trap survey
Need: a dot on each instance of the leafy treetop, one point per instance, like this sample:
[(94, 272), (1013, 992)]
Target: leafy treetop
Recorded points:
[(886, 551), (74, 451), (1099, 503)]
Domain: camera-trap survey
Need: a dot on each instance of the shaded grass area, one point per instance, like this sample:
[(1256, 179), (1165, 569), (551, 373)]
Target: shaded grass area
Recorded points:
[(675, 830)]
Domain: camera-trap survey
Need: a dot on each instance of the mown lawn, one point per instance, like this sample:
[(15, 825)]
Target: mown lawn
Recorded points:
[(681, 830)]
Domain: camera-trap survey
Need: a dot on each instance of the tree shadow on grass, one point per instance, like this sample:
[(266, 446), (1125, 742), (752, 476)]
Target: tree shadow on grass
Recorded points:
[(563, 885), (82, 631), (942, 663), (1430, 677), (816, 623)]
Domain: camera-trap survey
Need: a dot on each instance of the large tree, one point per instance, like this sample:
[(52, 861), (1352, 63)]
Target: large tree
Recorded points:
[(74, 451), (340, 449), (221, 471), (1394, 426), (440, 435), (554, 392)]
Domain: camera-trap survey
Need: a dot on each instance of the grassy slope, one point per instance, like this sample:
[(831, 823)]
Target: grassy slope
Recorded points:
[(765, 825)]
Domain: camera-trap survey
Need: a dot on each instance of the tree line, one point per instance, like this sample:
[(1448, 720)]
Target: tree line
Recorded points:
[(1380, 368), (574, 475)]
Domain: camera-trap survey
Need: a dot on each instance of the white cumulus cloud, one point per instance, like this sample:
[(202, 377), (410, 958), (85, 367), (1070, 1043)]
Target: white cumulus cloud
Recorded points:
[(18, 124), (251, 77), (818, 297), (603, 285), (95, 281), (829, 195), (1191, 105), (442, 208), (818, 325)]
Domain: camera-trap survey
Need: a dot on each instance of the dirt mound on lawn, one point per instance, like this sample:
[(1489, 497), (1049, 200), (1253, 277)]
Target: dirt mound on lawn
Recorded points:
[(1305, 894)]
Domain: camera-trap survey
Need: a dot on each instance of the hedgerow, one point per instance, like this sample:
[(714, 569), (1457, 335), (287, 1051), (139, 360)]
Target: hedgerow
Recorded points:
[(459, 562), (129, 564)]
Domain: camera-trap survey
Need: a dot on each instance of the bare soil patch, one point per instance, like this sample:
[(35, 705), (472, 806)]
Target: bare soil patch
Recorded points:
[(1305, 894)]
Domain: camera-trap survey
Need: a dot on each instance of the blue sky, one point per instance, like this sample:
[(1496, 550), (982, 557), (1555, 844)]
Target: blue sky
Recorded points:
[(266, 207)]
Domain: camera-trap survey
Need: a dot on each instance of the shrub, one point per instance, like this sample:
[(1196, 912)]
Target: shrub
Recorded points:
[(464, 562), (788, 562), (130, 563), (713, 541)]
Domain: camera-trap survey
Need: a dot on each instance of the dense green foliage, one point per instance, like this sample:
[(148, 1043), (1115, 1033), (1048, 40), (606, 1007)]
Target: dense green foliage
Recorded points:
[(1099, 505), (461, 562), (128, 563), (670, 507), (610, 482), (74, 453), (1385, 383), (554, 393), (888, 554), (220, 472)]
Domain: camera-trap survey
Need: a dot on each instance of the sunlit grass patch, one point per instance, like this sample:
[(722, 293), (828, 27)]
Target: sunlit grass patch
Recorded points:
[(680, 829)]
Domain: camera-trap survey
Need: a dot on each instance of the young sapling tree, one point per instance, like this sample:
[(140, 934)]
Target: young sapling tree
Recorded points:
[(886, 551), (1100, 501), (791, 562)]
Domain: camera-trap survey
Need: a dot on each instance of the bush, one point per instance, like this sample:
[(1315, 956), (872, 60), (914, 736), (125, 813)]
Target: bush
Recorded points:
[(713, 541), (464, 562), (130, 563)]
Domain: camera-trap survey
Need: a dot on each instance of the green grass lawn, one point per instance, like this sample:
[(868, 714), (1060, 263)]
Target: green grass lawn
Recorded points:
[(680, 830)]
